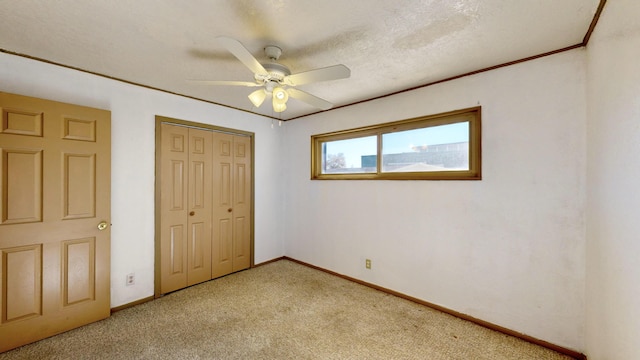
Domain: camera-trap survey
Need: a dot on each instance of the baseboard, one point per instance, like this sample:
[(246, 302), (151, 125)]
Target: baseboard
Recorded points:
[(574, 354), (270, 261), (132, 304)]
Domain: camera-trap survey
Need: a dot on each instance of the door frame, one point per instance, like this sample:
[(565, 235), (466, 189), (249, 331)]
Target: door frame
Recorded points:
[(159, 120)]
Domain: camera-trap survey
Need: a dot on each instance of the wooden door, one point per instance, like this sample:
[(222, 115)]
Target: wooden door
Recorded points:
[(222, 236), (173, 207), (199, 220), (232, 198), (241, 203), (185, 202), (54, 192)]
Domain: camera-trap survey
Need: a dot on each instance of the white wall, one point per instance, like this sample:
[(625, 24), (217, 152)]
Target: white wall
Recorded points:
[(133, 111), (509, 249), (613, 246)]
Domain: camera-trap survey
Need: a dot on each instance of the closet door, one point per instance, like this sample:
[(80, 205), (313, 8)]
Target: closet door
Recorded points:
[(241, 213), (231, 238), (199, 204), (173, 207), (205, 206), (185, 207), (222, 235)]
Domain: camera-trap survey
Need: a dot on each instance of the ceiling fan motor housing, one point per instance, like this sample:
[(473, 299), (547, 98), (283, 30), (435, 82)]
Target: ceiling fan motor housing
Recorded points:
[(276, 71)]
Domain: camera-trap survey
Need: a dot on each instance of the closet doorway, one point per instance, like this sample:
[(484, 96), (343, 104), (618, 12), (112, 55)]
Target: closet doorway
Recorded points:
[(204, 203)]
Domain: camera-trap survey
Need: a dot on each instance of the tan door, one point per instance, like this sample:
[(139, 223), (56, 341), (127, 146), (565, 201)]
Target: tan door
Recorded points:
[(231, 249), (241, 203), (173, 204), (185, 201), (200, 202), (54, 197), (222, 237)]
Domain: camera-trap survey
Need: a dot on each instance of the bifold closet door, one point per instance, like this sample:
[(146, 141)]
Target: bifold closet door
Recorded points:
[(185, 238), (231, 237), (242, 200), (200, 204)]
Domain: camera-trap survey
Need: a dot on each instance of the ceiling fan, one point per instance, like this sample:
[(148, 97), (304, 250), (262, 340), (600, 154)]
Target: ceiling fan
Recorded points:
[(276, 80)]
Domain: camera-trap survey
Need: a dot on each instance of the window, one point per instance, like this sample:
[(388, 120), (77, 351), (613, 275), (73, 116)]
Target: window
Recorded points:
[(436, 147)]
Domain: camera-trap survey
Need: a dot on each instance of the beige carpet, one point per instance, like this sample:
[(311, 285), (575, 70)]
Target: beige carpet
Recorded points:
[(281, 310)]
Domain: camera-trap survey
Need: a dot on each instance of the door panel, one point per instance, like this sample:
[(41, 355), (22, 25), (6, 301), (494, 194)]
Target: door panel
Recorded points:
[(240, 248), (78, 269), (222, 251), (199, 246), (21, 122), (232, 204), (177, 254), (177, 186), (23, 281), (77, 129), (55, 189), (79, 192), (242, 203), (22, 186), (199, 221), (174, 207)]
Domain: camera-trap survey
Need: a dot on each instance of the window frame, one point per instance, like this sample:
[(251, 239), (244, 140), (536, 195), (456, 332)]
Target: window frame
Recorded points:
[(471, 115)]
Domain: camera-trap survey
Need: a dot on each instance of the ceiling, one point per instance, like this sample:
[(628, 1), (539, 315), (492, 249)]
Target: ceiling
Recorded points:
[(388, 45)]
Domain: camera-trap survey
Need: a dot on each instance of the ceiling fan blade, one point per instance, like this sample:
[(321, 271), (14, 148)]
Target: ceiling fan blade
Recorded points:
[(241, 52), (309, 99), (225, 82), (334, 72)]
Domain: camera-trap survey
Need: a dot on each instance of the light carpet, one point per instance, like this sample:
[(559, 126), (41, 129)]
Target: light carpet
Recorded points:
[(282, 310)]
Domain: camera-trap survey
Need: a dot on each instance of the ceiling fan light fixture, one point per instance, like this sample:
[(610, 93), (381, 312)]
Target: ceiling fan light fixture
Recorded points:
[(257, 97), (279, 107), (279, 99), (280, 95)]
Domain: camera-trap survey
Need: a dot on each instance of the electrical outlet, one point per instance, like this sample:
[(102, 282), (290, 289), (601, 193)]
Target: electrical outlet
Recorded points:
[(367, 264), (131, 279)]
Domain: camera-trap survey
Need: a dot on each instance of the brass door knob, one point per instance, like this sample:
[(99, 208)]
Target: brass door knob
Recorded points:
[(230, 210), (192, 213), (102, 225)]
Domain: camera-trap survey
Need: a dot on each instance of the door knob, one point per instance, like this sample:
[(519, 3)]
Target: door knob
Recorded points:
[(192, 213), (229, 210), (102, 225)]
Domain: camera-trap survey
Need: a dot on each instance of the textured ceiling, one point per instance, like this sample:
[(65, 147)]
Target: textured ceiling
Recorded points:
[(389, 45)]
